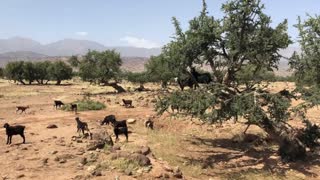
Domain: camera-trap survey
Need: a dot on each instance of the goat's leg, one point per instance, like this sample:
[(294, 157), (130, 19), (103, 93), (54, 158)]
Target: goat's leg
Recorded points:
[(24, 139), (116, 133), (246, 129), (8, 139), (126, 134)]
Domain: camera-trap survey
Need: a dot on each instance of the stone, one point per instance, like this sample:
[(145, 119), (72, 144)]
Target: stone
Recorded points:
[(20, 176), (24, 148), (167, 168), (91, 169), (147, 169), (62, 161), (100, 138), (53, 152), (83, 161), (128, 172), (44, 160), (20, 167), (177, 172), (142, 160), (52, 126), (116, 147), (131, 121), (145, 150), (56, 158)]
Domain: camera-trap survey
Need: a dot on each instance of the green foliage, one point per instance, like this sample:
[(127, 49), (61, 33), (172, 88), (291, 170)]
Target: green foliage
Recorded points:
[(252, 74), (100, 67), (15, 71), (1, 72), (137, 77), (160, 69), (59, 71), (306, 64), (42, 75), (42, 72), (310, 134), (29, 72), (86, 105), (74, 61)]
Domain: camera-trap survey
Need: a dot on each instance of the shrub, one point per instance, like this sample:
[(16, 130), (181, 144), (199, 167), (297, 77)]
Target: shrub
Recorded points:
[(86, 105)]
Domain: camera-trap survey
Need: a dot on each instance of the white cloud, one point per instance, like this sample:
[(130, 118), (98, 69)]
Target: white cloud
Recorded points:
[(81, 33), (139, 42)]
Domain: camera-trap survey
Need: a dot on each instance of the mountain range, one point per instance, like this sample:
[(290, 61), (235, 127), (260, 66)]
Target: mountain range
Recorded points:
[(19, 48), (68, 47)]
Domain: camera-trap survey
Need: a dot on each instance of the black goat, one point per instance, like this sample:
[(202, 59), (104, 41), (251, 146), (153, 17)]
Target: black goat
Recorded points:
[(127, 103), (204, 78), (22, 109), (82, 126), (120, 130), (14, 130), (148, 124), (108, 119), (287, 94), (58, 103), (74, 107), (186, 81), (175, 107), (119, 127)]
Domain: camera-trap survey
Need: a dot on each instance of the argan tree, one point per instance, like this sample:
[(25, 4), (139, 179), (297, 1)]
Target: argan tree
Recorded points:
[(102, 68), (1, 72), (160, 69), (137, 77), (15, 71), (305, 66), (243, 38), (59, 71), (42, 75)]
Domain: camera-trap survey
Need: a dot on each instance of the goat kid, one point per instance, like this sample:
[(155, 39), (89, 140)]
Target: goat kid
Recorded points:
[(22, 109), (58, 103), (74, 107), (82, 126), (127, 103)]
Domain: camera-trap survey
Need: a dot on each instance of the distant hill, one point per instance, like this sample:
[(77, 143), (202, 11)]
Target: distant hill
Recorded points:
[(68, 47), (19, 48), (20, 55)]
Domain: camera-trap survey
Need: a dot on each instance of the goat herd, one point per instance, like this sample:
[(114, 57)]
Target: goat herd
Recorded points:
[(119, 127)]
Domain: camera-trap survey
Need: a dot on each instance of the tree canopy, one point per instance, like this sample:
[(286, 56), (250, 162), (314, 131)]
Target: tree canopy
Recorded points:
[(41, 72), (239, 48)]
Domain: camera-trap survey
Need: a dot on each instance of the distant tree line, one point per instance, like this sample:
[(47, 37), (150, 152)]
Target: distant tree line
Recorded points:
[(39, 72)]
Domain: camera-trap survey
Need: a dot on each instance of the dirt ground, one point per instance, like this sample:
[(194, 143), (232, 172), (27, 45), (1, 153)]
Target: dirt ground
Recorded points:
[(201, 151)]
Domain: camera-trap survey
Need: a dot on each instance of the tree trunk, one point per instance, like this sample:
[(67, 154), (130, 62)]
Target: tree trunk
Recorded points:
[(22, 82), (117, 87), (291, 148), (58, 82), (164, 84)]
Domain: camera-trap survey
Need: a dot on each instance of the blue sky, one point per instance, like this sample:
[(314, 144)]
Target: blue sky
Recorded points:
[(140, 23)]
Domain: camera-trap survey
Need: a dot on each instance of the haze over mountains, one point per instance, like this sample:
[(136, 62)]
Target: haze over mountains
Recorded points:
[(19, 48), (68, 47)]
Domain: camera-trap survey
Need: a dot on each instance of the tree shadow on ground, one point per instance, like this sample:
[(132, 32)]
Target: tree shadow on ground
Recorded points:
[(244, 156)]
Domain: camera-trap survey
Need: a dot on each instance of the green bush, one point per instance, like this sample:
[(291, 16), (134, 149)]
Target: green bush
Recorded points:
[(86, 105)]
